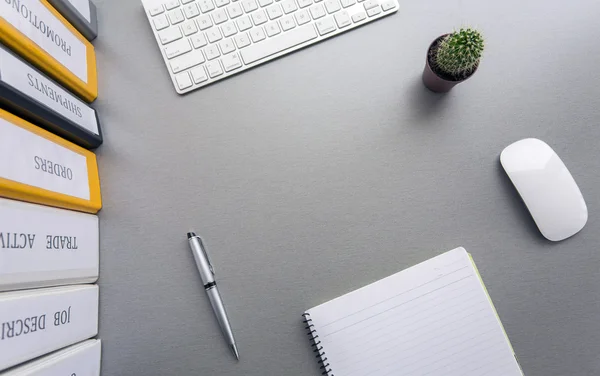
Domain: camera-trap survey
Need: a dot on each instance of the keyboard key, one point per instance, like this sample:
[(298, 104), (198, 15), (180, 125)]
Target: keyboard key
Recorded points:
[(317, 11), (347, 3), (186, 1), (186, 61), (387, 5), (221, 3), (249, 5), (214, 68), (169, 35), (235, 10), (374, 11), (191, 10), (198, 74), (198, 40), (231, 62), (227, 46), (244, 23), (274, 11), (302, 17), (204, 22), (172, 4), (242, 40), (304, 3), (160, 22), (183, 80), (213, 35), (228, 29), (177, 48), (287, 23), (332, 6), (272, 28), (368, 4), (325, 26), (342, 19), (206, 5), (219, 16), (259, 17), (280, 43), (212, 51), (264, 3), (176, 16), (360, 16), (156, 10), (257, 34), (288, 6), (189, 28)]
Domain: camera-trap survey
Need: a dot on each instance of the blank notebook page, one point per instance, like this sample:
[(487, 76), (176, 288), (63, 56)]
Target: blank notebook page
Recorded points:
[(432, 319)]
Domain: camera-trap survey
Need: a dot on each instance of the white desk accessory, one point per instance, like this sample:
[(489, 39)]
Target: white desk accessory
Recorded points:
[(433, 319), (202, 41), (546, 187)]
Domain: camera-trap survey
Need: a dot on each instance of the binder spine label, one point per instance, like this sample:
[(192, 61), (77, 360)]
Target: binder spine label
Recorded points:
[(33, 160), (83, 7), (79, 362), (30, 82), (82, 359), (37, 23), (36, 238), (44, 320)]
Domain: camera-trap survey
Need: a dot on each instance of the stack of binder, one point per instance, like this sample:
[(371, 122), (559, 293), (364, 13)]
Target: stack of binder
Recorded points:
[(49, 189)]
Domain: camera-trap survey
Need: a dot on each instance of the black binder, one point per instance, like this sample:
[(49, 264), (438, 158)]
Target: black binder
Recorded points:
[(81, 15), (29, 93)]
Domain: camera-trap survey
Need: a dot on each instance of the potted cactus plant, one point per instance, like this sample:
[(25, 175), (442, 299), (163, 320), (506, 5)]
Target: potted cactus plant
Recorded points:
[(452, 58)]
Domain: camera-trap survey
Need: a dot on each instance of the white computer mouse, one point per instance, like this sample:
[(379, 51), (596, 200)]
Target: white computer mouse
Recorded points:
[(547, 188)]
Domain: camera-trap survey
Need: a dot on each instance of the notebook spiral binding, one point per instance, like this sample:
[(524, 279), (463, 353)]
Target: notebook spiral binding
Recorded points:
[(315, 343)]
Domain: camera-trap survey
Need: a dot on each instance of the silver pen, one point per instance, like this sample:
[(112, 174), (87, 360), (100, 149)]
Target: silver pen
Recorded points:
[(207, 274)]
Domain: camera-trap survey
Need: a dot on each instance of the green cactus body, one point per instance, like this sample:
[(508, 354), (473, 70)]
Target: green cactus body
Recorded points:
[(458, 54)]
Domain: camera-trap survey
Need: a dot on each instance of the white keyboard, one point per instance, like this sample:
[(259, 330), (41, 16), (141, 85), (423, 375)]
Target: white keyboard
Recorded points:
[(203, 41)]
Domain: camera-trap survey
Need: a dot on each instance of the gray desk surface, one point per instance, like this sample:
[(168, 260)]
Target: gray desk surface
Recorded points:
[(333, 167)]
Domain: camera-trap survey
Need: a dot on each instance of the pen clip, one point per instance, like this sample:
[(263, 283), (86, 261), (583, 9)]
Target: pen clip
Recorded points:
[(203, 248)]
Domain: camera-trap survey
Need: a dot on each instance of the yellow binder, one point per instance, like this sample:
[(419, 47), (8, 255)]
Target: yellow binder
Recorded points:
[(40, 167), (35, 30)]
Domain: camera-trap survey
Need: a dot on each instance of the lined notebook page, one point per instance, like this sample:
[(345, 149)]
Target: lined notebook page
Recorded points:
[(432, 319)]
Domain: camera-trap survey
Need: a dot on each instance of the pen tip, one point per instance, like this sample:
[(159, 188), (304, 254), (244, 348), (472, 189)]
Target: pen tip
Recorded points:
[(235, 351), (191, 234)]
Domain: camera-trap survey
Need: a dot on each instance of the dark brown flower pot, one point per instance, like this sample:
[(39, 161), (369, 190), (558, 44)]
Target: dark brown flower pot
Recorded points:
[(437, 81)]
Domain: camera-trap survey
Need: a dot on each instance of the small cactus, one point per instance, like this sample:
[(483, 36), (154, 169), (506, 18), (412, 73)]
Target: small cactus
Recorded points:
[(458, 54)]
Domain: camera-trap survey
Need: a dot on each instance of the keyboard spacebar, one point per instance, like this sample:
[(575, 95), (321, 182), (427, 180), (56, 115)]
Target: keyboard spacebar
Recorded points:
[(277, 44)]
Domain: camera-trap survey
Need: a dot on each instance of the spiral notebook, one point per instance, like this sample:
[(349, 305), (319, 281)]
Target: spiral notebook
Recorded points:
[(433, 319)]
